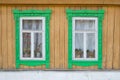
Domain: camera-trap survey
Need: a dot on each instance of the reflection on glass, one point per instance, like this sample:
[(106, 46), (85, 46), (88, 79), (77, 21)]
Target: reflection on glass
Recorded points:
[(38, 45), (79, 45), (84, 25), (32, 24), (26, 44), (90, 45)]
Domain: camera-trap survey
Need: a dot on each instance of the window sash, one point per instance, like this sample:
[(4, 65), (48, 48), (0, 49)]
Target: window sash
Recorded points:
[(32, 38), (84, 38)]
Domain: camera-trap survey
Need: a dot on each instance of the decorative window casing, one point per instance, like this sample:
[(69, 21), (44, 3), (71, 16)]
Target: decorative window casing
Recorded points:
[(32, 37), (85, 37)]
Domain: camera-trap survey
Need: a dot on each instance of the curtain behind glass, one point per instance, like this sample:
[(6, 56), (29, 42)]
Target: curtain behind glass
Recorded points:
[(32, 25), (85, 25)]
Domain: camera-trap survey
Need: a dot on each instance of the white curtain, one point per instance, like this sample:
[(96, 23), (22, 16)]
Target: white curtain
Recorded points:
[(79, 41), (90, 41), (38, 44), (85, 25), (33, 25), (26, 44)]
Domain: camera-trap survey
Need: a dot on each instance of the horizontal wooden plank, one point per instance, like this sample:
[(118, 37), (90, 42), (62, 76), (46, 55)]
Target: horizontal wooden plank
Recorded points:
[(51, 2), (112, 2), (115, 2)]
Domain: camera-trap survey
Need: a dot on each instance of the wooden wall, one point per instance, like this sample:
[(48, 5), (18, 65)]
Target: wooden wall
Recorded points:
[(59, 36), (75, 2)]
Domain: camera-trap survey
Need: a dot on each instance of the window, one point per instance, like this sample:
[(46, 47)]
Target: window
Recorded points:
[(85, 37), (32, 37)]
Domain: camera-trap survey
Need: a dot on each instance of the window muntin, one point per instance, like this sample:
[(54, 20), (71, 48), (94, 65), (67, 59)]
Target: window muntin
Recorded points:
[(85, 40), (32, 38)]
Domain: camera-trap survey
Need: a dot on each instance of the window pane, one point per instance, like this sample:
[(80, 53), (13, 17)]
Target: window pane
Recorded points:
[(38, 24), (27, 24), (84, 25), (32, 24), (90, 45), (79, 45), (38, 45), (26, 45)]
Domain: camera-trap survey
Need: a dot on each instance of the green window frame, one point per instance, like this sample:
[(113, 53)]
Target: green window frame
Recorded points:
[(99, 14), (32, 13)]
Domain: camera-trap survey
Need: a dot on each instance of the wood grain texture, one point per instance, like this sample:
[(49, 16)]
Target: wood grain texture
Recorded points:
[(110, 37), (59, 36), (111, 2), (4, 38), (9, 35), (66, 39), (105, 30), (52, 39), (0, 37), (51, 2), (116, 55), (61, 23)]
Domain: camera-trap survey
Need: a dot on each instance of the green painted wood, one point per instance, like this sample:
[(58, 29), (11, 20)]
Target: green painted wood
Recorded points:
[(32, 13), (85, 13)]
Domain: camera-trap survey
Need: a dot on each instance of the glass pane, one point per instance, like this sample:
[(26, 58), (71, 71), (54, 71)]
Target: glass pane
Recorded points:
[(26, 44), (79, 45), (32, 24), (90, 45), (84, 25), (27, 24), (38, 45), (38, 25)]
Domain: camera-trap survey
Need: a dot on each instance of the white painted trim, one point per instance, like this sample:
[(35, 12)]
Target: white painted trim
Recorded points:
[(84, 37), (96, 37), (21, 38), (44, 39), (32, 18), (73, 40), (32, 31), (84, 18), (32, 38)]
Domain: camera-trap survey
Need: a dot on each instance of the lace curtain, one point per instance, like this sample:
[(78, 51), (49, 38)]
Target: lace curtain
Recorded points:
[(32, 26), (85, 27)]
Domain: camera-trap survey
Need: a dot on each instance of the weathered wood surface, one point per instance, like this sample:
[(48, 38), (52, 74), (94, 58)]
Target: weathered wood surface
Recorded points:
[(113, 2), (59, 36)]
